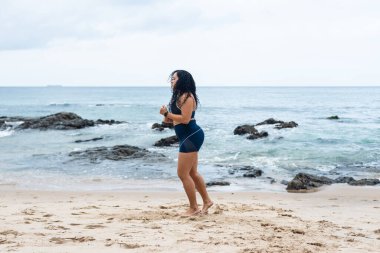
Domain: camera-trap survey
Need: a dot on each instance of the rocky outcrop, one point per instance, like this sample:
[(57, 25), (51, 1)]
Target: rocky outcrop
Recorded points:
[(246, 171), (58, 121), (290, 124), (3, 125), (333, 117), (343, 180), (257, 135), (93, 139), (245, 129), (107, 122), (251, 130), (270, 121), (164, 142), (365, 181), (279, 123), (116, 153), (303, 181), (162, 126), (221, 183)]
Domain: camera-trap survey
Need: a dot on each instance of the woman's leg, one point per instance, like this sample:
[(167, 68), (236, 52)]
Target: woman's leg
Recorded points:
[(185, 163), (200, 185)]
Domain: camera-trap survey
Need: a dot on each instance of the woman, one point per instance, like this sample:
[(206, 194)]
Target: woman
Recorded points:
[(182, 107)]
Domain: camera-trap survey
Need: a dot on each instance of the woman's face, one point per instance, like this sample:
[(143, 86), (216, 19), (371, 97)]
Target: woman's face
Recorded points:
[(174, 80)]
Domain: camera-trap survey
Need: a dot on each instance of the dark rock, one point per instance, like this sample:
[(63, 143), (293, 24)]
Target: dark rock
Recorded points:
[(303, 181), (249, 168), (253, 173), (222, 183), (162, 126), (94, 139), (342, 180), (365, 181), (249, 171), (116, 153), (269, 121), (272, 180), (290, 124), (58, 121), (167, 141), (333, 117), (3, 126), (254, 136), (245, 129), (107, 122), (284, 182)]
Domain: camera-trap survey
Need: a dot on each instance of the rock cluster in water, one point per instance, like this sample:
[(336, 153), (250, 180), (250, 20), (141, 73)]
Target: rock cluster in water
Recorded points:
[(255, 134), (167, 141), (251, 130), (243, 171), (304, 182), (162, 126), (58, 121), (116, 153), (333, 117), (220, 183)]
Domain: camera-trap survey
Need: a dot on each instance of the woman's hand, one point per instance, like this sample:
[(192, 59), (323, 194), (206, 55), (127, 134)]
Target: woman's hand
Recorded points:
[(163, 109)]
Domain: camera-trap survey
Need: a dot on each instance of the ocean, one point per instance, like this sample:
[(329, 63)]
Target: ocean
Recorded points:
[(349, 146)]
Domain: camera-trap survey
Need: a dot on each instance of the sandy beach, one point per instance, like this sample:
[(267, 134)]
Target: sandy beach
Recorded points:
[(337, 218)]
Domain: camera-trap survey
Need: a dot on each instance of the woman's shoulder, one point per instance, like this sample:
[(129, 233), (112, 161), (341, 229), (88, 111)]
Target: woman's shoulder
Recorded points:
[(184, 98), (186, 95)]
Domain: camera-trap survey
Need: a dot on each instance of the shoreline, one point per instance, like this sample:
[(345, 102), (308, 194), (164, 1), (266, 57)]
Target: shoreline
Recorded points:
[(336, 218)]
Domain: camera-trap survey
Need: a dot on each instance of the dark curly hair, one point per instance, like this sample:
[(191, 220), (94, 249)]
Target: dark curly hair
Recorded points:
[(184, 85)]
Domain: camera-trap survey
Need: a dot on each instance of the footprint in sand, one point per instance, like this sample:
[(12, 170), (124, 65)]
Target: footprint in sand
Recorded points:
[(35, 220), (318, 244), (357, 234), (155, 226), (86, 207), (51, 227), (60, 240), (6, 233), (28, 211), (131, 246), (298, 231), (218, 210), (94, 226), (80, 213)]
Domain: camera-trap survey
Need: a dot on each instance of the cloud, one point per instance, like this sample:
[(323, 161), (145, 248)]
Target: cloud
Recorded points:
[(34, 24), (239, 42)]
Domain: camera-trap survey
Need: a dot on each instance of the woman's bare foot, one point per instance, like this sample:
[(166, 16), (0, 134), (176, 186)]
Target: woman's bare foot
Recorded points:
[(191, 212), (206, 206)]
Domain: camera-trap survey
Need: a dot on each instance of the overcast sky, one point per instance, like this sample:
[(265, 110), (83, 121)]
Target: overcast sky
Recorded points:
[(221, 42)]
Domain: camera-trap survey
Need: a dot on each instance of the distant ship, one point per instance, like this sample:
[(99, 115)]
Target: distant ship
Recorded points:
[(54, 85)]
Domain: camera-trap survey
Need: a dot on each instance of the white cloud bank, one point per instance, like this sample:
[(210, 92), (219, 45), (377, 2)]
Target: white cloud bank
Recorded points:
[(221, 42)]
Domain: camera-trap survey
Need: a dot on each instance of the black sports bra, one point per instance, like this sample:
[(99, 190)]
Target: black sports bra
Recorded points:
[(175, 110)]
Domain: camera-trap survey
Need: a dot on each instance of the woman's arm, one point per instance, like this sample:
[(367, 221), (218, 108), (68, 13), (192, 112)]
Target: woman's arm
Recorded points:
[(167, 120)]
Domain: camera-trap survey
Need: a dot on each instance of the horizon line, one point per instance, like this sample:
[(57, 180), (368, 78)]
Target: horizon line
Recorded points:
[(167, 86)]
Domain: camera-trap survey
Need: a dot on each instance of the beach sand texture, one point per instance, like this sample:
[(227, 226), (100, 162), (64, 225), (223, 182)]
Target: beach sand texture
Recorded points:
[(337, 218)]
